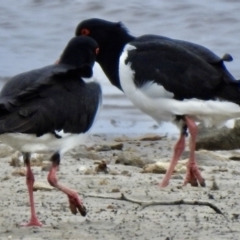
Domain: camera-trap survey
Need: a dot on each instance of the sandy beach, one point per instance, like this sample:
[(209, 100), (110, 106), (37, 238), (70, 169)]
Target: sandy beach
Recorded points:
[(33, 35), (114, 219)]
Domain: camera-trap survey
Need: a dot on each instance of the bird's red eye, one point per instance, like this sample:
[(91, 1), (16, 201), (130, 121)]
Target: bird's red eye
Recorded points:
[(97, 51), (85, 32)]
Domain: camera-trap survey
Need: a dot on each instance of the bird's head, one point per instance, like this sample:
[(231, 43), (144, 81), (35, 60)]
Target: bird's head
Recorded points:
[(107, 34), (80, 51)]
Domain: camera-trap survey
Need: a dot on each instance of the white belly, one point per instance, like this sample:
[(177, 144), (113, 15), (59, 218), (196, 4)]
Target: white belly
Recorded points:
[(45, 144)]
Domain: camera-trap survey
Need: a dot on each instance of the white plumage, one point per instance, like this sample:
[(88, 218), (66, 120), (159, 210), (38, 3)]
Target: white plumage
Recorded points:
[(47, 143)]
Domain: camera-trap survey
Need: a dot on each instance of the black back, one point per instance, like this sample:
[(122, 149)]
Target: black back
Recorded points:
[(54, 97), (180, 71), (186, 69)]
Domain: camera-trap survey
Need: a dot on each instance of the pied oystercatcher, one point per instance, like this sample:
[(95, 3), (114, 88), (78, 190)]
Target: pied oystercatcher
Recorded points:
[(168, 79), (48, 110)]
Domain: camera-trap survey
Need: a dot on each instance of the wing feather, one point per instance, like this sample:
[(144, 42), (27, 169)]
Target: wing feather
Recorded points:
[(46, 105), (176, 67)]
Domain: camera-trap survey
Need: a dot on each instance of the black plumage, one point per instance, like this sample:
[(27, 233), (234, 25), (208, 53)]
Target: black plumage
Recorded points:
[(187, 70), (50, 105), (49, 110), (49, 99)]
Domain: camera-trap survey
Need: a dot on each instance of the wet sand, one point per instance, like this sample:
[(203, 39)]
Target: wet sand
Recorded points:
[(30, 39), (113, 219)]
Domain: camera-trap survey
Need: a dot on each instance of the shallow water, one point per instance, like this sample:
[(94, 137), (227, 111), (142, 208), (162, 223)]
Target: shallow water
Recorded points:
[(33, 34)]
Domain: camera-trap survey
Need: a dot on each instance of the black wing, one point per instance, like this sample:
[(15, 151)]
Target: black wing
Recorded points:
[(24, 80), (178, 67), (58, 99), (194, 48)]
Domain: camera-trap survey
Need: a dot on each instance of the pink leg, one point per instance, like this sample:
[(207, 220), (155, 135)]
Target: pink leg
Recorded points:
[(178, 149), (30, 181), (74, 200), (193, 175)]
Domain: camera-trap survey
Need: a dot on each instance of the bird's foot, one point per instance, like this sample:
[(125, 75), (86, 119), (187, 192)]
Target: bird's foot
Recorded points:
[(34, 222), (193, 176), (164, 183), (76, 205)]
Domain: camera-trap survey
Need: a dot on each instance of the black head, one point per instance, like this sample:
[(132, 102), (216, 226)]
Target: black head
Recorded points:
[(80, 50), (111, 38), (104, 32)]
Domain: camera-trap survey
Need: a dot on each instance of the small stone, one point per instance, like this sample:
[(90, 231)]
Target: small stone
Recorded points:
[(116, 146), (16, 160), (161, 167), (235, 216), (154, 168), (115, 190), (126, 173), (150, 137), (82, 169), (5, 151), (89, 172), (79, 153), (103, 182), (235, 158), (103, 148), (131, 149), (177, 177), (19, 172), (129, 158), (214, 185), (102, 167), (114, 173), (111, 207), (210, 196), (46, 165), (222, 169), (218, 138), (42, 186), (123, 138), (234, 172), (109, 146), (5, 178)]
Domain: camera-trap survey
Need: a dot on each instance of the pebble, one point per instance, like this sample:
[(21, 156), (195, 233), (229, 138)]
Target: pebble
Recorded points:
[(129, 158), (162, 166), (42, 186), (5, 150), (19, 172)]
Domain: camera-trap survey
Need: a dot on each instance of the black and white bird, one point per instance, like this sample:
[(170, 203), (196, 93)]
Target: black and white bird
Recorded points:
[(48, 110), (168, 79)]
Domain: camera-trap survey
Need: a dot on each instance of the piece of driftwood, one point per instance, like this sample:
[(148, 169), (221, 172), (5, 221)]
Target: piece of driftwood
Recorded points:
[(144, 204)]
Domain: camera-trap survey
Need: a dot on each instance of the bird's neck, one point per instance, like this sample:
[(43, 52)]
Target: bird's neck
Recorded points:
[(108, 58)]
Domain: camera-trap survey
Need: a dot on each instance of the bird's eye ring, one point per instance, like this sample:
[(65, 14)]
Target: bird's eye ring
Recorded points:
[(85, 32)]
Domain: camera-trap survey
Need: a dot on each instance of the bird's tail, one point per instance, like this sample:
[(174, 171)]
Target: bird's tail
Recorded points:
[(227, 57)]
